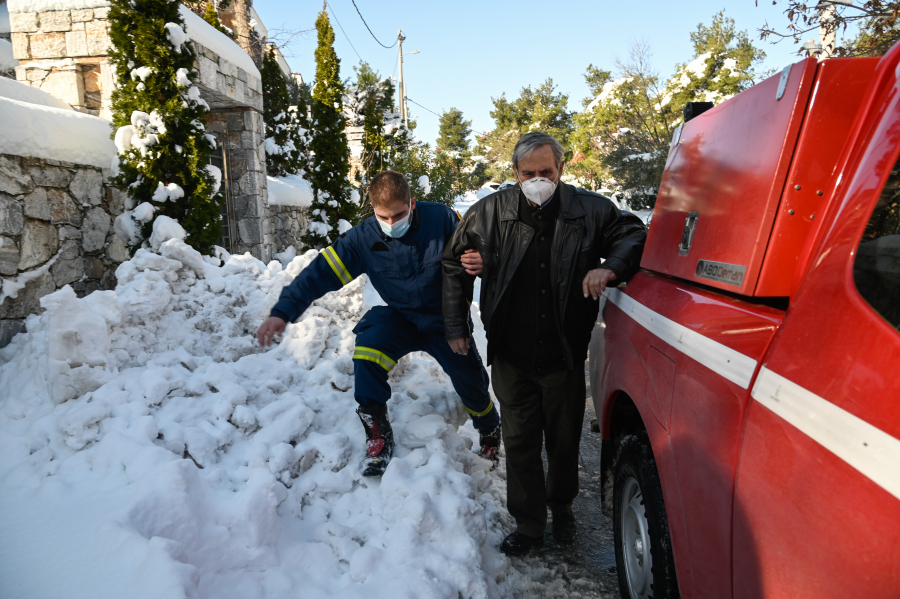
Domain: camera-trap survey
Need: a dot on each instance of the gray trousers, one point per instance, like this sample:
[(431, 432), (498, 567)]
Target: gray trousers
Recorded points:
[(536, 408)]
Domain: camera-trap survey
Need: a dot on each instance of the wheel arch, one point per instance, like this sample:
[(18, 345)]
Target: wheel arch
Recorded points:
[(622, 419)]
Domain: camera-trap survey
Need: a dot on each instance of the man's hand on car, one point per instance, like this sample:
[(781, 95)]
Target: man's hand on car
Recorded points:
[(271, 327), (595, 282), (472, 262), (460, 345)]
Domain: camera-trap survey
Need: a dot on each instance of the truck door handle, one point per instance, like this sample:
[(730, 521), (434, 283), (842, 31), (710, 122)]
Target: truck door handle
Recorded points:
[(690, 223)]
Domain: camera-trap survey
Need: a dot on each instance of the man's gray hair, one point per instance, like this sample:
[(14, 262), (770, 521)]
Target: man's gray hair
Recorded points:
[(529, 142)]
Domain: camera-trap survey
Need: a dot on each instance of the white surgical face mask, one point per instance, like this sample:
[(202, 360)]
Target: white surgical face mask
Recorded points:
[(538, 190), (399, 228)]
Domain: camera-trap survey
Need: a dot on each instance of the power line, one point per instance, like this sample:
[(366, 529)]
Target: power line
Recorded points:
[(342, 30), (436, 114), (420, 106), (370, 29)]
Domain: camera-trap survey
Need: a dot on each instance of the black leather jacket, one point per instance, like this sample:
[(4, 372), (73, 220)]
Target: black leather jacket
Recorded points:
[(588, 227)]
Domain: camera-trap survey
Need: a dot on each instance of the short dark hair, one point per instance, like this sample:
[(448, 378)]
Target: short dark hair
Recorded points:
[(388, 187)]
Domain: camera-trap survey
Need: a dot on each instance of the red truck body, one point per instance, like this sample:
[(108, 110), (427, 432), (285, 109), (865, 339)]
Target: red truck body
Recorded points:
[(767, 385)]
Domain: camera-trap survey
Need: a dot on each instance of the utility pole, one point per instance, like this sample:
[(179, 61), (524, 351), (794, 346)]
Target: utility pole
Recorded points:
[(827, 30), (401, 88)]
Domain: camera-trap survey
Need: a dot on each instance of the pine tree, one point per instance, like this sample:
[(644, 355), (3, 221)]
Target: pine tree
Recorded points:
[(329, 152), (158, 116), (283, 156), (454, 131), (538, 109)]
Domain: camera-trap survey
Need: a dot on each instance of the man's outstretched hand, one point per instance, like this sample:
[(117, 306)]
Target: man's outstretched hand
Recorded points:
[(271, 327), (472, 262), (596, 281), (460, 345)]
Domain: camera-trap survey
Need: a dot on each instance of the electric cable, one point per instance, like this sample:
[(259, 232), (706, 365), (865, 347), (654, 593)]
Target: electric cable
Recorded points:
[(370, 29), (342, 30), (408, 99)]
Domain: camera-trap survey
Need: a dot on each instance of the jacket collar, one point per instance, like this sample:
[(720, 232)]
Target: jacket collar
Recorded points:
[(569, 205)]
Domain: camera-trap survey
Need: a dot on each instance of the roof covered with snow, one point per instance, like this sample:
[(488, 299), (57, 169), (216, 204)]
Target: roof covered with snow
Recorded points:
[(206, 35), (55, 134)]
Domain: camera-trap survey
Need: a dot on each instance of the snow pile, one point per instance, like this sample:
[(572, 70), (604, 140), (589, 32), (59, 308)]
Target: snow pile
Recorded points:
[(292, 190), (16, 90), (425, 184), (55, 134), (49, 5), (208, 36), (148, 448), (7, 60)]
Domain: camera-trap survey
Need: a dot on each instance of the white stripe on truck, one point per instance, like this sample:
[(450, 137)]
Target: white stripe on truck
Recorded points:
[(721, 359), (870, 450)]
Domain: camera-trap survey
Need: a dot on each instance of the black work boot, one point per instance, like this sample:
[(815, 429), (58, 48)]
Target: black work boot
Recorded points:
[(519, 544), (564, 530), (490, 445), (379, 438)]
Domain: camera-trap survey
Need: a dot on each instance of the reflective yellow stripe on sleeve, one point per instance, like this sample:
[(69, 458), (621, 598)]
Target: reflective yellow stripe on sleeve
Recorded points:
[(334, 261), (373, 355), (487, 410)]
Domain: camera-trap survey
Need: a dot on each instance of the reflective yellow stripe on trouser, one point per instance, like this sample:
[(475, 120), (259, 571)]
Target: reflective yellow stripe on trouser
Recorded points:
[(334, 261), (487, 410), (373, 355)]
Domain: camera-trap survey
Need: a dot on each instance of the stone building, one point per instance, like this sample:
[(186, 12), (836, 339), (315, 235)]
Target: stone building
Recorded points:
[(56, 209), (65, 53)]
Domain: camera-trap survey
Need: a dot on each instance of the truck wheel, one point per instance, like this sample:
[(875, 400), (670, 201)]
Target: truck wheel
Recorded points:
[(644, 559)]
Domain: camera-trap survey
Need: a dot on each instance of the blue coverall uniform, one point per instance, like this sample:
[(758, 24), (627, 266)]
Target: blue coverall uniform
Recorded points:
[(406, 272)]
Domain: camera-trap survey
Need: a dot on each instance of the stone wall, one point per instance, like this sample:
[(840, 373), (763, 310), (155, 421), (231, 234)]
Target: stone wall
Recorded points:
[(288, 224), (225, 85), (64, 52), (55, 230), (245, 160)]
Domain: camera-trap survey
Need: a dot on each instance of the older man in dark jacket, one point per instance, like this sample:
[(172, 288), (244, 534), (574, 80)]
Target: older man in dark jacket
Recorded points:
[(549, 250)]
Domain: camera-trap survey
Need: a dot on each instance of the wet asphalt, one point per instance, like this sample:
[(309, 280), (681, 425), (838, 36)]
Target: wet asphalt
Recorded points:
[(587, 567)]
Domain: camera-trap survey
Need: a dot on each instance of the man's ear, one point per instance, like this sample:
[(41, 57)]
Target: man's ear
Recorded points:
[(412, 204)]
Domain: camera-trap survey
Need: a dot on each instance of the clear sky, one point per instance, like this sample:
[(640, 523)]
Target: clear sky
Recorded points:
[(472, 51)]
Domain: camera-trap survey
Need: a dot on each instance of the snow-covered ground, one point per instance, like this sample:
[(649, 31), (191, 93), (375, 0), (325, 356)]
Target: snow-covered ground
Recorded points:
[(149, 448)]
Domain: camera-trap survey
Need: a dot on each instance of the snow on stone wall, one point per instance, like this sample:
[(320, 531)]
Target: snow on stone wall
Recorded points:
[(16, 90), (55, 134), (55, 229), (291, 190), (206, 35)]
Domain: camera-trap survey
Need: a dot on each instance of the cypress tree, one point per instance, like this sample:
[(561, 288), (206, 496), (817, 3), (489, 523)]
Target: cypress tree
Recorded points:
[(282, 153), (329, 152), (158, 120), (211, 16)]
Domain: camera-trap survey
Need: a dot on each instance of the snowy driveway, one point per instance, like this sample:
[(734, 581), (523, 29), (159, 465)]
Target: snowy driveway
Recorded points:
[(149, 449)]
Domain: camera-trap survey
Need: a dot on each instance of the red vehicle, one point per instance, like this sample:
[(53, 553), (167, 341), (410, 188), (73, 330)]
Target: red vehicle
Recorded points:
[(747, 379)]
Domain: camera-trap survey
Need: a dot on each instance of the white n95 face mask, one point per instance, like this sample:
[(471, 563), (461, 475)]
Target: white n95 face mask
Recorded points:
[(538, 190), (399, 228)]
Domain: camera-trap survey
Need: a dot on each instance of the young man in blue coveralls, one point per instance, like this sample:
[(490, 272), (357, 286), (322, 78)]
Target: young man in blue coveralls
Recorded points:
[(400, 249)]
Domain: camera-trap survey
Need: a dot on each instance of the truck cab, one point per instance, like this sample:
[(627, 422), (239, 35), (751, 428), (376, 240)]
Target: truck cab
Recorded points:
[(747, 380)]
